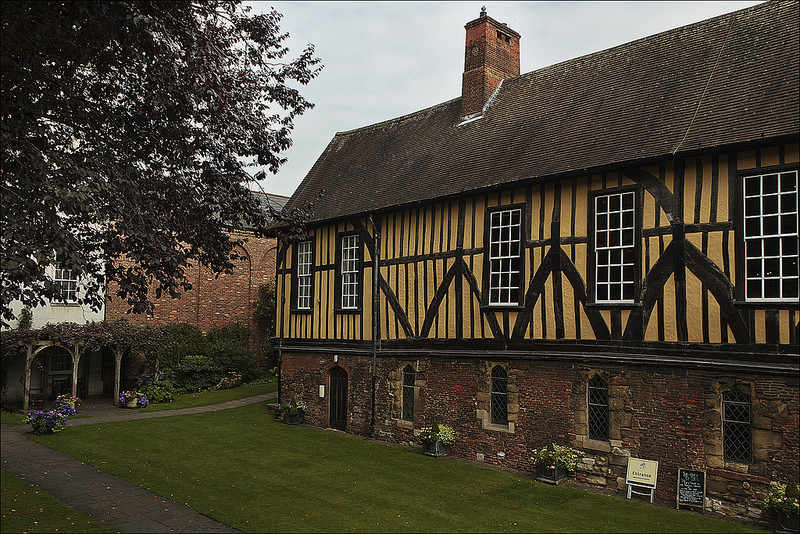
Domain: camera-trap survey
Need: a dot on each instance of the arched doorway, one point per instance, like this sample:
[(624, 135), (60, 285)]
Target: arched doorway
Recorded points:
[(338, 409)]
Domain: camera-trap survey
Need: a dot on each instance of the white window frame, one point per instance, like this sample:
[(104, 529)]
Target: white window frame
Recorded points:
[(304, 259), (615, 248), (350, 272), (770, 233), (68, 282), (505, 257)]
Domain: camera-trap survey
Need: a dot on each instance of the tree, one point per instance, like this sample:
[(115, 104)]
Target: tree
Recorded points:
[(127, 130)]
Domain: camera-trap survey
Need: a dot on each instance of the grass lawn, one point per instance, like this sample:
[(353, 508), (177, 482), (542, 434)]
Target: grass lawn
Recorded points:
[(243, 468), (12, 418), (26, 508), (204, 398)]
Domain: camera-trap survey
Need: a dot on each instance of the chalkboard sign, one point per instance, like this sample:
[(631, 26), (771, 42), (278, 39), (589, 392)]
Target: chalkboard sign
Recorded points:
[(691, 487)]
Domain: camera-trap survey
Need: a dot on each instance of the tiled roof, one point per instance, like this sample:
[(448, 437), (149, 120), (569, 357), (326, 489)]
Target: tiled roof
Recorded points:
[(723, 81)]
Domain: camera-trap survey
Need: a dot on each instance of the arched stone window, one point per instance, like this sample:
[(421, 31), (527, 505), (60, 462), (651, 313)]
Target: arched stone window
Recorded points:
[(499, 395)]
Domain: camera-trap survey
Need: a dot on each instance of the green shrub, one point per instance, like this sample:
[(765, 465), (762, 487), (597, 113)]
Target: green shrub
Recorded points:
[(159, 391), (229, 348), (196, 373)]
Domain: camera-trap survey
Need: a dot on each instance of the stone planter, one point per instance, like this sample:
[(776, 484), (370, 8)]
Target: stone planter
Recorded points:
[(786, 524), (294, 419), (435, 448), (131, 402), (551, 476)]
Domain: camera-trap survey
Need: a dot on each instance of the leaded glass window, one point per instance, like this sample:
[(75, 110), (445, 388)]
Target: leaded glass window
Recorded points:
[(409, 377), (737, 429), (499, 395), (598, 409), (505, 259), (771, 237), (615, 247)]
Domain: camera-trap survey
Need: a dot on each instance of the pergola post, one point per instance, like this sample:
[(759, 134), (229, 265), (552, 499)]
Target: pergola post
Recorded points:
[(117, 369), (26, 395), (76, 358)]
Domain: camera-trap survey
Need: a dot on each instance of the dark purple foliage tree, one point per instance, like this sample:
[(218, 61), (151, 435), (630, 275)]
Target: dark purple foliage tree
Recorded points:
[(127, 128)]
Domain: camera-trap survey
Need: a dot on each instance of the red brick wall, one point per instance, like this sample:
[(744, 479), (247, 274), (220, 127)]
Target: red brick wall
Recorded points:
[(214, 302), (659, 413)]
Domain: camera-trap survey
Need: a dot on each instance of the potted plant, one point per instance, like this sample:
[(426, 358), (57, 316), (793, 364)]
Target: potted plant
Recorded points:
[(133, 399), (46, 422), (437, 439), (67, 404), (293, 412), (782, 500), (553, 462)]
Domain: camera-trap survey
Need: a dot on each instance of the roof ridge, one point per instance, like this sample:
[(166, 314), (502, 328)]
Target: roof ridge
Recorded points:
[(400, 118)]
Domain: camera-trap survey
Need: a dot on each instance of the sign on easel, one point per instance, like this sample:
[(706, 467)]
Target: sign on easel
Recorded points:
[(691, 487), (642, 474)]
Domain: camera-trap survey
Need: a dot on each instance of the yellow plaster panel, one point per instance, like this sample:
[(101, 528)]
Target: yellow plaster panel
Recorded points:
[(714, 319), (792, 153), (606, 315), (770, 156), (597, 182), (536, 204), (746, 159), (705, 203), (568, 300), (566, 208), (549, 200), (492, 200), (669, 176), (329, 310), (761, 331), (536, 316), (625, 315), (366, 307), (651, 328), (581, 211), (627, 181), (785, 326), (549, 310), (695, 239), (732, 255), (648, 217), (670, 326), (453, 224), (722, 195), (694, 307), (580, 260), (689, 188), (586, 326), (468, 222), (715, 248)]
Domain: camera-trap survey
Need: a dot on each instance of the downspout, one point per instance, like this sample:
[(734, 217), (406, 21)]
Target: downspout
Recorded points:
[(375, 316)]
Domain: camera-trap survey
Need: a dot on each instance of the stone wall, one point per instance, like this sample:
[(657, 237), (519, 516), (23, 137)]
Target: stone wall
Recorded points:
[(668, 414)]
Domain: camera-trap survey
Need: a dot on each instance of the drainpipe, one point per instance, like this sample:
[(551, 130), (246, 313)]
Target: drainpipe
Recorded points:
[(375, 316)]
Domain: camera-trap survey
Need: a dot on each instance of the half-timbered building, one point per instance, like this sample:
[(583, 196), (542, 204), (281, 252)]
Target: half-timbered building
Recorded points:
[(601, 253)]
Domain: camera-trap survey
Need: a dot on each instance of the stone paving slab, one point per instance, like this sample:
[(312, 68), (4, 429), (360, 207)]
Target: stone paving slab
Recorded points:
[(114, 502)]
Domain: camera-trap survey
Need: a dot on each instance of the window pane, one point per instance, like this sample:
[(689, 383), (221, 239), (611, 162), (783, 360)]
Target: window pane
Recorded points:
[(504, 249)]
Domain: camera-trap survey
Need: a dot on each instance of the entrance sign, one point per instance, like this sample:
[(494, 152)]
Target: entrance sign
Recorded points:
[(642, 474), (691, 487)]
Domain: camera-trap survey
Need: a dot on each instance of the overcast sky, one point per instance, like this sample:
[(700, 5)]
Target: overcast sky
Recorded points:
[(387, 59)]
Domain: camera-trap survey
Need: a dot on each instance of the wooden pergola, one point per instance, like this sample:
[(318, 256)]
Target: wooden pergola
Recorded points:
[(35, 347)]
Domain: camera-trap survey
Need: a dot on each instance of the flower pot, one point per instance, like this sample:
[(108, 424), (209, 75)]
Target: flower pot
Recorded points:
[(435, 448), (786, 523), (131, 402), (294, 418), (554, 475)]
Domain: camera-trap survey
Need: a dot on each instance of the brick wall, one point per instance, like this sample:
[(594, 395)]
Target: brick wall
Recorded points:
[(214, 301), (668, 414)]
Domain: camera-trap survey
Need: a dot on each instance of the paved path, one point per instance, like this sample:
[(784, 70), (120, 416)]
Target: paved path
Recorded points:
[(118, 504)]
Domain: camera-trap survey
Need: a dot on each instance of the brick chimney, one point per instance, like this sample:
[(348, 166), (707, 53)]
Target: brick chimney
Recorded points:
[(491, 55)]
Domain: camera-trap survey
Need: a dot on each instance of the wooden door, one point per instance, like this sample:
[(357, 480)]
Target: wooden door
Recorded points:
[(338, 412)]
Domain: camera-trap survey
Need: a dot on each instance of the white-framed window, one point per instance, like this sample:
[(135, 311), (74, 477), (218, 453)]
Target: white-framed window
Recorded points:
[(505, 256), (68, 280), (615, 247), (771, 236), (60, 362), (349, 272), (304, 262)]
